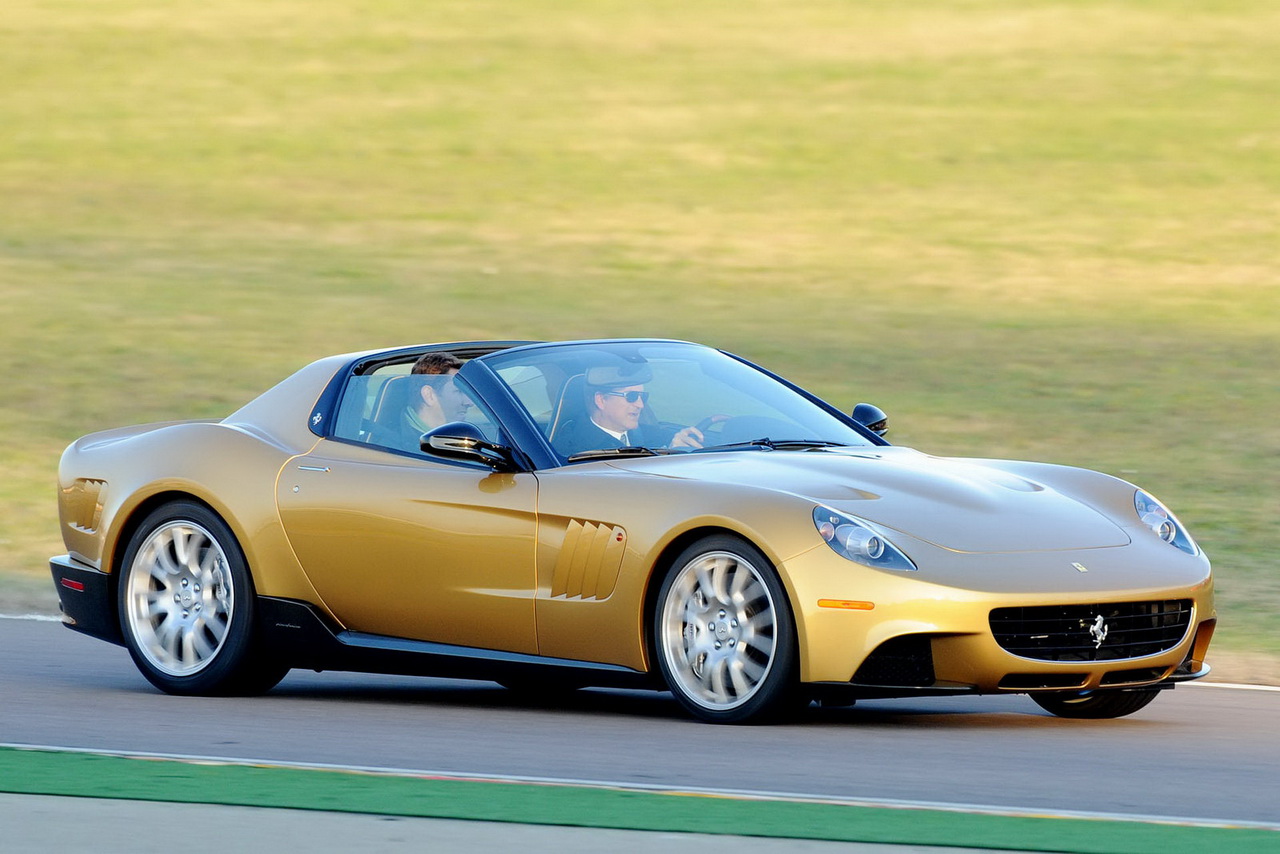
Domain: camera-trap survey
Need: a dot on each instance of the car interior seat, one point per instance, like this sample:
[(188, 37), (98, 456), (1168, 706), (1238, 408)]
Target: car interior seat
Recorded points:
[(570, 405), (390, 401)]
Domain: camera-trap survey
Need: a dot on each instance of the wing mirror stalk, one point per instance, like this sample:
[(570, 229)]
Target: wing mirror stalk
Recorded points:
[(872, 417), (460, 440)]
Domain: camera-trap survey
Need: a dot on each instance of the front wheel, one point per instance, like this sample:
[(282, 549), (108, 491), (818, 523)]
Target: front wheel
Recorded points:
[(1095, 705), (187, 606), (724, 635)]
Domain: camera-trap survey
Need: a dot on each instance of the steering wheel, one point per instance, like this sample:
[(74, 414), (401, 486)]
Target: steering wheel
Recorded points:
[(707, 423)]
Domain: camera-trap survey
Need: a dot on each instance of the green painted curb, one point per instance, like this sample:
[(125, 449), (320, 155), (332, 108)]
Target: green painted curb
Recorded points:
[(47, 772)]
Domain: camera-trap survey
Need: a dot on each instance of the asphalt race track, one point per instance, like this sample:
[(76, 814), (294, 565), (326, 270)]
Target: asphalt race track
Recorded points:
[(1197, 753)]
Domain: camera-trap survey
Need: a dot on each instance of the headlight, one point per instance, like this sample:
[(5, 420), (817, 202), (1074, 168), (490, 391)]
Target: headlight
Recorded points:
[(1163, 523), (859, 541)]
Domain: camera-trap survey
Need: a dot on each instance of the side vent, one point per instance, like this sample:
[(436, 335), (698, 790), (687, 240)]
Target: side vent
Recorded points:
[(82, 503), (589, 561)]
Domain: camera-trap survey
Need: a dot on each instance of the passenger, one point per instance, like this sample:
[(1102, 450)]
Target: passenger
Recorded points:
[(438, 400)]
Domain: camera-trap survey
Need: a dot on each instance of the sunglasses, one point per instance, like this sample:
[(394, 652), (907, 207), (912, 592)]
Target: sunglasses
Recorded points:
[(631, 396)]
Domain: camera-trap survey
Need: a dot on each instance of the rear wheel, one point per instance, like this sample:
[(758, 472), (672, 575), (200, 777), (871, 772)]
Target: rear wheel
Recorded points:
[(187, 606), (1095, 705), (724, 635)]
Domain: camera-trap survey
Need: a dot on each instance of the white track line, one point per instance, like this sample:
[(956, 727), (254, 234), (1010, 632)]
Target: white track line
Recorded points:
[(1236, 685), (744, 794)]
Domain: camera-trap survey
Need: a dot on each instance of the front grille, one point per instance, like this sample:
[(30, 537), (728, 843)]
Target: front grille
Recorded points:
[(1101, 632)]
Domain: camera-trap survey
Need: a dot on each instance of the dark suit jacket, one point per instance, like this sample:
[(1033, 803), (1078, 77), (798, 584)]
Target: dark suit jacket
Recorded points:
[(583, 435)]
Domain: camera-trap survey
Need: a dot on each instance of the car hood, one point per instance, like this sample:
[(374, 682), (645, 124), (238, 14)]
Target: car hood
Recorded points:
[(961, 505)]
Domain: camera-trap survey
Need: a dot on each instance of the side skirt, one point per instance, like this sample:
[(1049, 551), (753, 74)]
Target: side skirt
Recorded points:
[(305, 638)]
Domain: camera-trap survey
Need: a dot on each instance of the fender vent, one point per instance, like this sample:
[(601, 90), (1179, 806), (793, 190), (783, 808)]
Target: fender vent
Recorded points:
[(82, 504), (589, 560)]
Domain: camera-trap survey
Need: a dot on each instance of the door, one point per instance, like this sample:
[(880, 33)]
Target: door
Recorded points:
[(415, 548)]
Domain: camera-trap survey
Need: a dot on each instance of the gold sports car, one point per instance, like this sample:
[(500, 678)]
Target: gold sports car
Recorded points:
[(630, 513)]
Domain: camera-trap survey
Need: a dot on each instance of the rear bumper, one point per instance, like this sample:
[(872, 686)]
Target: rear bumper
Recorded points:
[(86, 597)]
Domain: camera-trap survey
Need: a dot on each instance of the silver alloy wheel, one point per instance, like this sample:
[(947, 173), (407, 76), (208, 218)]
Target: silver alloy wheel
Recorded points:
[(180, 598), (719, 630)]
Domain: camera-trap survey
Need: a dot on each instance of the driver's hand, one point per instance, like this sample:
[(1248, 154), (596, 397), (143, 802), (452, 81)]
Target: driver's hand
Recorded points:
[(689, 437)]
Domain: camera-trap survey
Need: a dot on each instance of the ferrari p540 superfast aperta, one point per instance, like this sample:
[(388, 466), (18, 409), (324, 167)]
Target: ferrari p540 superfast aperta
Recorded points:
[(633, 513)]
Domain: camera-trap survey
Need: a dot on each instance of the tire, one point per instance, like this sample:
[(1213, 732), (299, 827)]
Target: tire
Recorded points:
[(186, 606), (723, 633), (1095, 705)]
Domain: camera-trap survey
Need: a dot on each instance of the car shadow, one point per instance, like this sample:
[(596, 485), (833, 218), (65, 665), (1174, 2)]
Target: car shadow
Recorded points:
[(482, 695), (974, 712)]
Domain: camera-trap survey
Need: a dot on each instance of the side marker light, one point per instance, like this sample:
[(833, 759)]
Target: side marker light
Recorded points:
[(846, 604)]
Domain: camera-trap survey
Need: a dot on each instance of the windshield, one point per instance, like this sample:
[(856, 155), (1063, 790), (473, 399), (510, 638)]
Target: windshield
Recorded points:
[(613, 398)]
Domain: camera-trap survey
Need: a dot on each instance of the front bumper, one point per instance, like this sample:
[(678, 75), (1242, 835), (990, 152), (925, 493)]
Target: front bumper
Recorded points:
[(908, 634)]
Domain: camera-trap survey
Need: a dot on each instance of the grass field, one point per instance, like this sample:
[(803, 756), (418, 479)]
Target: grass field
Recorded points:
[(1043, 229)]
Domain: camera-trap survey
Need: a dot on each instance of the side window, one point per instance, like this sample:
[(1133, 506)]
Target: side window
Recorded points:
[(391, 408), (368, 400)]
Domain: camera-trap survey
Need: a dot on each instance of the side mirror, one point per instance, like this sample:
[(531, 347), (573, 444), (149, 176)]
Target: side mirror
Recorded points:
[(460, 440), (872, 417)]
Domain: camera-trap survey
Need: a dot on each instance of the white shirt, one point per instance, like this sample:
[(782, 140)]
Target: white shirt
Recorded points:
[(621, 437)]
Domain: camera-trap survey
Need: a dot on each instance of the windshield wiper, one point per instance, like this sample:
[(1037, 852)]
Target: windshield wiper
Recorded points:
[(801, 444), (764, 443), (629, 451), (767, 444)]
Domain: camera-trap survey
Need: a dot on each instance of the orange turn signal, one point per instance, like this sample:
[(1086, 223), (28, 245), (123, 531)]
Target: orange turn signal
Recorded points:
[(846, 604)]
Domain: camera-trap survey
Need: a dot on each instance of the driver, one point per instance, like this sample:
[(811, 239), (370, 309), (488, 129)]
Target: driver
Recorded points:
[(615, 398)]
